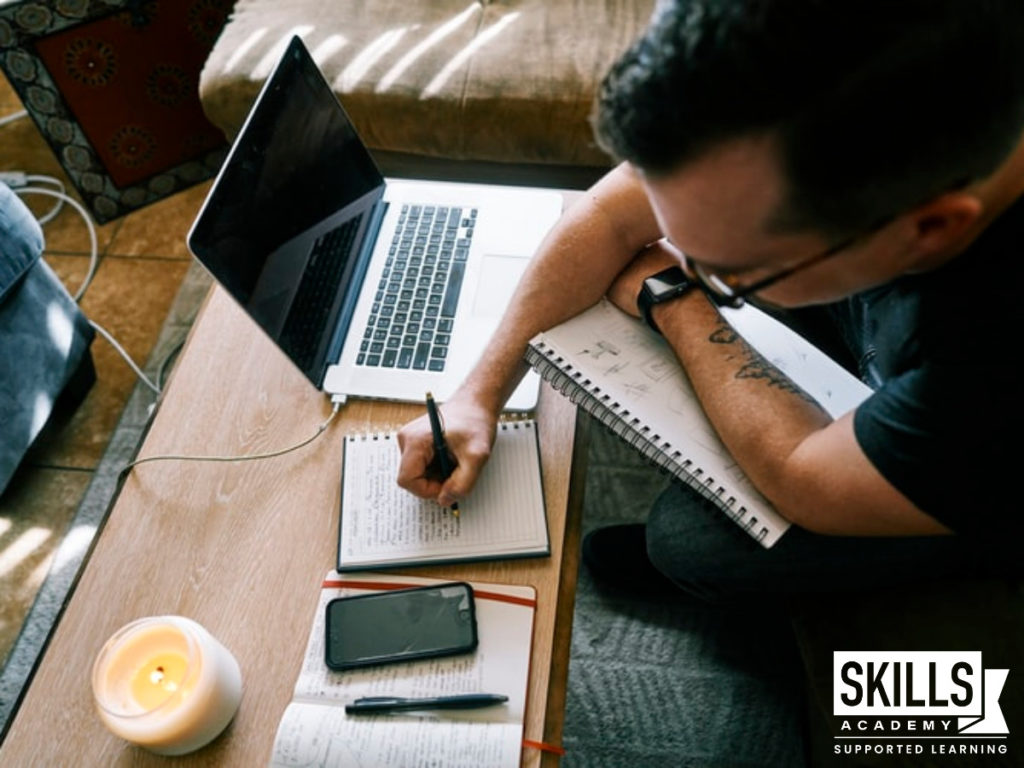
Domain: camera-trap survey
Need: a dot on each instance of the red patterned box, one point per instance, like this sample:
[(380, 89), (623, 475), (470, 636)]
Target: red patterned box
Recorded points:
[(112, 86)]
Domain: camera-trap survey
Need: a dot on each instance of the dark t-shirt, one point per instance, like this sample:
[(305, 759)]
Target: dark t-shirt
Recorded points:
[(942, 350)]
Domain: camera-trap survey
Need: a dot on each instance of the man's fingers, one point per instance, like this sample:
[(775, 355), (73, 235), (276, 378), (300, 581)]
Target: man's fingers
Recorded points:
[(424, 488), (412, 469), (471, 460)]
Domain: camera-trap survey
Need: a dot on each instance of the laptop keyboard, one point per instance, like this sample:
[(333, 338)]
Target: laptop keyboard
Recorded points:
[(312, 304), (413, 310)]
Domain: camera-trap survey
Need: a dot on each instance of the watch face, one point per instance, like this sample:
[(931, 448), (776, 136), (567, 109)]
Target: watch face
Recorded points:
[(667, 281)]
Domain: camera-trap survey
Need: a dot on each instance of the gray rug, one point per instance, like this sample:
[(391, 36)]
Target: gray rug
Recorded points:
[(671, 682), (652, 682)]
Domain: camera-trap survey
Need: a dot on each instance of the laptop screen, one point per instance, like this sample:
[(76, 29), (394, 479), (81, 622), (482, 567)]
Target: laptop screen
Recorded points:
[(296, 162)]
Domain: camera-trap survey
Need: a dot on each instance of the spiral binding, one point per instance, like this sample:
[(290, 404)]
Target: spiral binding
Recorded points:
[(508, 421), (505, 424), (364, 436), (561, 375)]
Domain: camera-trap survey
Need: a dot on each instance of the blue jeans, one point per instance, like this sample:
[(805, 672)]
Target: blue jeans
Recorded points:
[(44, 337), (707, 555)]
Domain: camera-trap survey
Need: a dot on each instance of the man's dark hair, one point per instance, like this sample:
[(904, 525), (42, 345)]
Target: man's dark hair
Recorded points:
[(877, 105)]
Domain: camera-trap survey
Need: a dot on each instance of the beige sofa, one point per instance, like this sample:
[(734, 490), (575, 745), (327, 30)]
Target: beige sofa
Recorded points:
[(505, 88)]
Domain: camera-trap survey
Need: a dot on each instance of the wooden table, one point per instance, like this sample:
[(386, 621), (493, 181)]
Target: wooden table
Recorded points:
[(242, 548)]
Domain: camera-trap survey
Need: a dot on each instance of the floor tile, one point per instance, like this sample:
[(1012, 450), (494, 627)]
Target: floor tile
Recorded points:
[(159, 229), (23, 149), (131, 299), (34, 514), (9, 101)]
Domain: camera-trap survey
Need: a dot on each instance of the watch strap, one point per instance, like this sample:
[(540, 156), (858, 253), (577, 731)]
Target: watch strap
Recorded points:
[(663, 286)]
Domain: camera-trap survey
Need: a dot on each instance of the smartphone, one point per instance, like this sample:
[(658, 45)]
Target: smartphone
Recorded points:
[(401, 625)]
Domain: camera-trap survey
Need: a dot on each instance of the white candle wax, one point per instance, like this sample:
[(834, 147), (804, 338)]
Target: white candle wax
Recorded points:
[(166, 684)]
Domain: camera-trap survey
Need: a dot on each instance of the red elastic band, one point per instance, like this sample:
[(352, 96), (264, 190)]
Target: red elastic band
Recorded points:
[(544, 747)]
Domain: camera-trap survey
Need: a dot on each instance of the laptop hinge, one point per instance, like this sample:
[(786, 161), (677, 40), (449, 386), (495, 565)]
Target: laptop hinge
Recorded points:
[(348, 306)]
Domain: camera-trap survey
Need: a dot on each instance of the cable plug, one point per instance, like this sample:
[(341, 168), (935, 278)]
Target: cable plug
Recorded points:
[(14, 179)]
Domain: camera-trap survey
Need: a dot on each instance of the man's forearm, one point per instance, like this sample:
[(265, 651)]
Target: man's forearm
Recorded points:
[(758, 412), (571, 271)]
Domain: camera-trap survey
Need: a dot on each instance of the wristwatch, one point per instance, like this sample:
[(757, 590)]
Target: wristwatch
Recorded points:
[(660, 287)]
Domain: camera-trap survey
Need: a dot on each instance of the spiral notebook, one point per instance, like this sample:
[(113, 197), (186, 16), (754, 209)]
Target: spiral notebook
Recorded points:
[(383, 525), (627, 377)]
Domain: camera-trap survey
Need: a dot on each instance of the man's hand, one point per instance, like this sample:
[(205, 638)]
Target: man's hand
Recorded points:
[(469, 430), (651, 260)]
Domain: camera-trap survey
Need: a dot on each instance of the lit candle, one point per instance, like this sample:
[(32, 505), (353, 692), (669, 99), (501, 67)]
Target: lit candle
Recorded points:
[(166, 684)]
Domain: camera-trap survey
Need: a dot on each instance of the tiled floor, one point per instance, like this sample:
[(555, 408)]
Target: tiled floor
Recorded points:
[(143, 262)]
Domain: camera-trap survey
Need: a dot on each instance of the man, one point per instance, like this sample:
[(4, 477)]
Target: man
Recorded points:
[(864, 162)]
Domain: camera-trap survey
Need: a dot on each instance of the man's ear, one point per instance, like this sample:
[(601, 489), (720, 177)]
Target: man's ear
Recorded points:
[(938, 229)]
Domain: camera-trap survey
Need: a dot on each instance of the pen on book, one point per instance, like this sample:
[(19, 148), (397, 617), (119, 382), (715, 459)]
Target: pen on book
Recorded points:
[(441, 455), (369, 705)]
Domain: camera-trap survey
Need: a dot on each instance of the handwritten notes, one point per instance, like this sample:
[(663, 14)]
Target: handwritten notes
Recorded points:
[(381, 524), (315, 730)]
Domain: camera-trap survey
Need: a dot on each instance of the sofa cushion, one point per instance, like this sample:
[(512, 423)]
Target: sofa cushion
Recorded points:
[(510, 81)]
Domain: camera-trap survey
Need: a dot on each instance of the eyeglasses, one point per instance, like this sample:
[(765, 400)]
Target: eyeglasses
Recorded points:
[(724, 288)]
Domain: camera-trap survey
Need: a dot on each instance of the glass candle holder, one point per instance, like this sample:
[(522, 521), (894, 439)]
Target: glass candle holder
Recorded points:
[(166, 684)]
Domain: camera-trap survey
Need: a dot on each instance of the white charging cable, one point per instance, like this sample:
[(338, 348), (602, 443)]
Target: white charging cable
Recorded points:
[(127, 358), (51, 214), (250, 457), (18, 182), (62, 197), (13, 116)]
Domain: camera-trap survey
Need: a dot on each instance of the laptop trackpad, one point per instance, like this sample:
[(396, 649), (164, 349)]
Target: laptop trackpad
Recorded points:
[(499, 277)]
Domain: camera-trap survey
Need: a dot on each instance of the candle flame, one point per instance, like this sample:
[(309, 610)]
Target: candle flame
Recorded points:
[(158, 677), (161, 677)]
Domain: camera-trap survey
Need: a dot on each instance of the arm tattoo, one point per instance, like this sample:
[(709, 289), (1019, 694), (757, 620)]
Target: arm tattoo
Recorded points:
[(752, 364)]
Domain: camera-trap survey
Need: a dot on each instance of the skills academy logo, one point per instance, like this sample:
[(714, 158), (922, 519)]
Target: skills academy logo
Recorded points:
[(917, 703)]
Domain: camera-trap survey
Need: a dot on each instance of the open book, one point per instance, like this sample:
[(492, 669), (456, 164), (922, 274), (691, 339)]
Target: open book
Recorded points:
[(384, 525), (315, 730), (624, 374)]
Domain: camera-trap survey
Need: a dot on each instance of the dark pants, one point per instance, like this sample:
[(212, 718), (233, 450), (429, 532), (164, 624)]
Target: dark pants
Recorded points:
[(708, 555)]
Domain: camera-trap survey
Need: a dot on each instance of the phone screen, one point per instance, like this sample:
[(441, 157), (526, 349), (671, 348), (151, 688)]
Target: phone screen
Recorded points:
[(405, 624)]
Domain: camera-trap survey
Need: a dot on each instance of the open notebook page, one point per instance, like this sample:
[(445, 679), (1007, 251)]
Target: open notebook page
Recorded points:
[(315, 729), (382, 524)]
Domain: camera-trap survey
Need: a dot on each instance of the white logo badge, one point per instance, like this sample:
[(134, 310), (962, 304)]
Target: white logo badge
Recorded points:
[(920, 684)]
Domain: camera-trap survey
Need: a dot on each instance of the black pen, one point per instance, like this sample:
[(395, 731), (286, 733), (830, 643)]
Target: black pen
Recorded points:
[(369, 705), (441, 454)]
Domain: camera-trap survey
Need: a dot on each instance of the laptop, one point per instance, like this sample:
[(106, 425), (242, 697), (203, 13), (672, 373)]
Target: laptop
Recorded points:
[(373, 288)]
